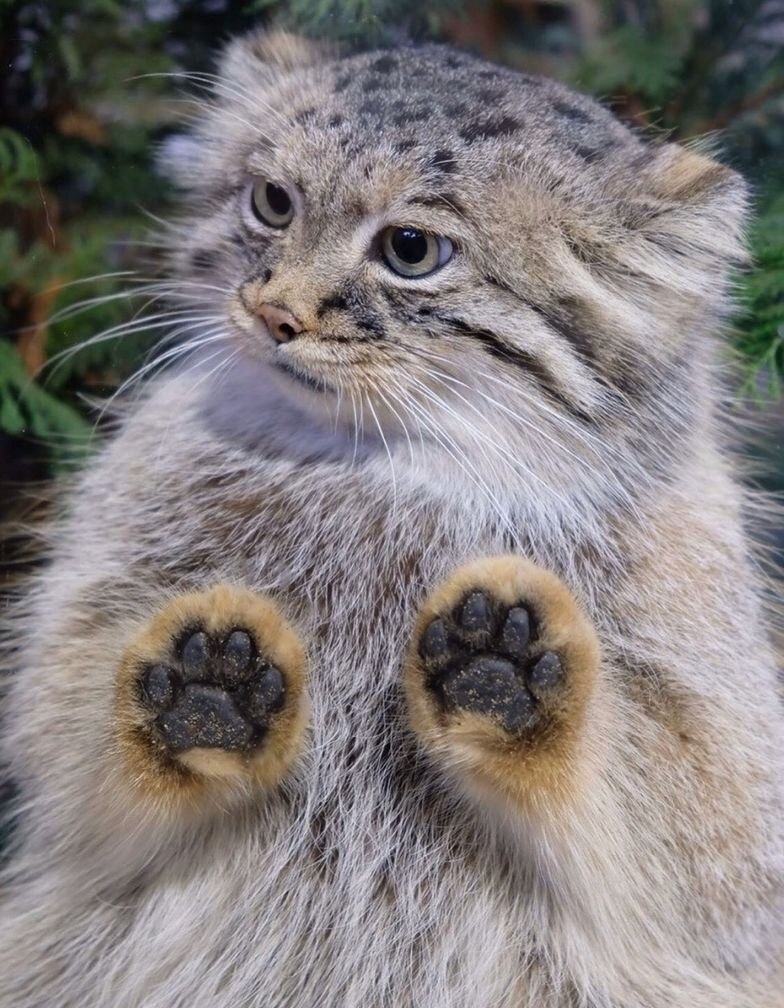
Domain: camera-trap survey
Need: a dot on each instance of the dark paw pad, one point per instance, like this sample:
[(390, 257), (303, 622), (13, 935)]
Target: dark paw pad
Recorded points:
[(219, 692), (483, 657)]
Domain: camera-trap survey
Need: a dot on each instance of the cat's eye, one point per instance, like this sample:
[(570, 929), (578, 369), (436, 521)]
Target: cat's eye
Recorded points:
[(271, 204), (410, 252)]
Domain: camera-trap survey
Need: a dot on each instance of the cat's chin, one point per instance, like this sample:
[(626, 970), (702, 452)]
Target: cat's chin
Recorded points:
[(301, 379), (253, 405), (311, 395)]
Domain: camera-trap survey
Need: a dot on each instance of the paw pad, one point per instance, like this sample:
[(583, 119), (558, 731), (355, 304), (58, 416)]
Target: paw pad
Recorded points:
[(482, 656), (219, 692)]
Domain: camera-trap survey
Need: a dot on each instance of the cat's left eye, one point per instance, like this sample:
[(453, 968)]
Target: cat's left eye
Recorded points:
[(410, 252), (271, 203)]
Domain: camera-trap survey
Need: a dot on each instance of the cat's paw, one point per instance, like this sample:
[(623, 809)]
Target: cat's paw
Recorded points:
[(500, 674), (215, 691), (482, 656), (212, 687)]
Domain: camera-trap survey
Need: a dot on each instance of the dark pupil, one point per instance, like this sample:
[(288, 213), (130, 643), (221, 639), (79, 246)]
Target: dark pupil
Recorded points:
[(410, 245), (278, 199)]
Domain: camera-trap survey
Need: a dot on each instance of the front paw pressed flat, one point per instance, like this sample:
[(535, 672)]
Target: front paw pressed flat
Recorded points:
[(219, 692), (500, 678), (483, 656), (212, 687)]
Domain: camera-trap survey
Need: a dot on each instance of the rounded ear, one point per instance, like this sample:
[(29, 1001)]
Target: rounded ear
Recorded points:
[(693, 205), (261, 55), (248, 69)]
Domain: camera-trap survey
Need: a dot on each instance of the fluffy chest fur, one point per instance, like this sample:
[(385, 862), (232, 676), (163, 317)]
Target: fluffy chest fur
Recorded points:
[(368, 879)]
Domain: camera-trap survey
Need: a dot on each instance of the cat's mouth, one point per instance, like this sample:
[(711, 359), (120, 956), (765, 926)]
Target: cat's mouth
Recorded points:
[(297, 374)]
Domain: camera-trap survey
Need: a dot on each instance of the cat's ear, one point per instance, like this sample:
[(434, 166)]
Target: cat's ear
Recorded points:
[(247, 67), (693, 206), (263, 55)]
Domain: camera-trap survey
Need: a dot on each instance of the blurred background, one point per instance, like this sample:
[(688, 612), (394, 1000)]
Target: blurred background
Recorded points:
[(86, 96)]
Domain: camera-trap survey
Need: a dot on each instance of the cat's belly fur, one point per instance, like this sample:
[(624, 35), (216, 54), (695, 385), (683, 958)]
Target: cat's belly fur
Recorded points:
[(371, 882), (369, 879)]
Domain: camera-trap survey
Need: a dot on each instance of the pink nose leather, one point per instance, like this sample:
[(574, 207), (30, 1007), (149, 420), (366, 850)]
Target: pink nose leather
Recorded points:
[(283, 326)]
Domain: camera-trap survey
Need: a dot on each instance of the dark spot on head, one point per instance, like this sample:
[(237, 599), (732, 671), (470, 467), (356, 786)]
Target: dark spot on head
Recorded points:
[(444, 161), (336, 120), (589, 154), (488, 128), (305, 116), (572, 112), (342, 82), (452, 61), (244, 242), (404, 145), (374, 84), (266, 275), (534, 82), (384, 64), (205, 259), (455, 109), (489, 74), (258, 245)]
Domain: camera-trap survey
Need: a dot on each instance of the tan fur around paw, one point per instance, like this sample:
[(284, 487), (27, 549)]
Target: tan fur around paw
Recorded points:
[(499, 678), (211, 691)]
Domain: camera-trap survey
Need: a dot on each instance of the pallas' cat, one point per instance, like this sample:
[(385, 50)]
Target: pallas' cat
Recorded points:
[(403, 648)]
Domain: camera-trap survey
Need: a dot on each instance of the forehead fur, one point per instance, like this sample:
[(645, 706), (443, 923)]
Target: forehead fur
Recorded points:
[(430, 107), (540, 183), (358, 129)]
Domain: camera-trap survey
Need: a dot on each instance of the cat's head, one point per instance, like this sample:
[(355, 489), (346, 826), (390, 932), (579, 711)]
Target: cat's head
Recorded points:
[(472, 258)]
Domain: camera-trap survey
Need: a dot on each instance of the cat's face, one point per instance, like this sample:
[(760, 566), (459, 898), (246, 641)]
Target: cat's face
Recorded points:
[(459, 255)]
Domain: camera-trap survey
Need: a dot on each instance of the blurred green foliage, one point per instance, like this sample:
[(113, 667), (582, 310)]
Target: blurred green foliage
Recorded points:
[(761, 326), (361, 22), (85, 99)]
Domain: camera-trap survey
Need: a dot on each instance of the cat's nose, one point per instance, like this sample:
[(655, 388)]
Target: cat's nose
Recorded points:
[(283, 326)]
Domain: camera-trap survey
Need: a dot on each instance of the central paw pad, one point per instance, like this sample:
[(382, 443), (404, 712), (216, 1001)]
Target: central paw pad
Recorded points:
[(482, 656), (219, 692)]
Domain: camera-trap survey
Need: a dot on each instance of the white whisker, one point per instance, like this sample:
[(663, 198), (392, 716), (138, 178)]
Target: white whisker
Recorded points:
[(386, 448)]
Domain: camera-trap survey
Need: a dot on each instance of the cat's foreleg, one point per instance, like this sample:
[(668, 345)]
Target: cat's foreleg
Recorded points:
[(500, 678), (138, 717), (641, 820)]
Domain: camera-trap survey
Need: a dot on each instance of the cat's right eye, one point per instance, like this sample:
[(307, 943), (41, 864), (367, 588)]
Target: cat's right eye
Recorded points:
[(412, 253), (271, 204)]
